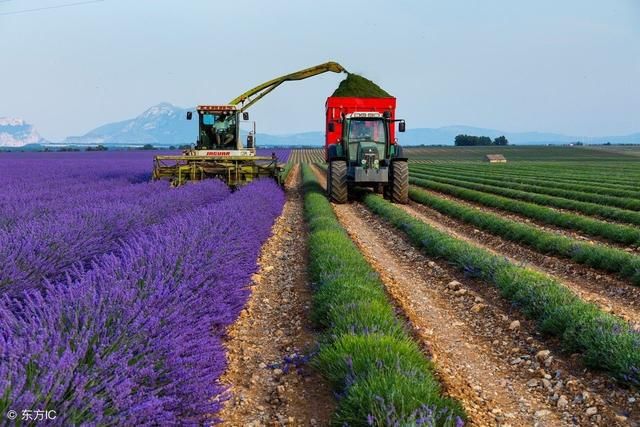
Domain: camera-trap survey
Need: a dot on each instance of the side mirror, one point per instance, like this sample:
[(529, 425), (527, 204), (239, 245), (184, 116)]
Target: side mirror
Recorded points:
[(331, 127), (401, 127), (245, 115), (189, 115), (249, 141)]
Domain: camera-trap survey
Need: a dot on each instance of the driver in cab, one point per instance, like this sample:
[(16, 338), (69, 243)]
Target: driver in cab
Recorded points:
[(224, 131)]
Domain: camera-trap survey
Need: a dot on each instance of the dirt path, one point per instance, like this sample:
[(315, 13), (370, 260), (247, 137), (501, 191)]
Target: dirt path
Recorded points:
[(609, 293), (273, 326)]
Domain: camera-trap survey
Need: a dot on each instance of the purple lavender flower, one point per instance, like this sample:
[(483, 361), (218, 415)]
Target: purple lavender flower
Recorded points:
[(130, 334)]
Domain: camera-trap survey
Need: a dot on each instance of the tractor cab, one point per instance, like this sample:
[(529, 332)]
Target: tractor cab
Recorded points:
[(366, 139)]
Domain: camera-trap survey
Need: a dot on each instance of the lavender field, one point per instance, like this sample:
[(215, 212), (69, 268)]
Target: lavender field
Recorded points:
[(116, 291)]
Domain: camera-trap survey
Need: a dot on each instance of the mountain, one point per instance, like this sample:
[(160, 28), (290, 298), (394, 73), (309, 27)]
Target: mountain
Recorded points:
[(17, 133), (162, 124), (165, 124)]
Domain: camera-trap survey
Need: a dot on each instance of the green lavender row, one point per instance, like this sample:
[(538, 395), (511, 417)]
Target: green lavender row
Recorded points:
[(541, 171), (593, 209), (619, 233), (596, 256), (620, 202), (376, 369), (534, 180), (606, 342)]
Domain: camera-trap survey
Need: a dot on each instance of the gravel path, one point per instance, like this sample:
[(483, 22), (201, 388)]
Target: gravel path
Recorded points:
[(275, 325)]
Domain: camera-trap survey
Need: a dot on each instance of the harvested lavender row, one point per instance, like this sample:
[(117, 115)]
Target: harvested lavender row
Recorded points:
[(282, 154), (137, 337)]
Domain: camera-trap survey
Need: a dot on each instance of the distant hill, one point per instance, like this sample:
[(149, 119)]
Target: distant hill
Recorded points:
[(164, 124), (18, 133)]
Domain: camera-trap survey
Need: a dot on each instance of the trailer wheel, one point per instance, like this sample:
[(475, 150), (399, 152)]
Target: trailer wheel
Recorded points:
[(338, 190), (400, 182)]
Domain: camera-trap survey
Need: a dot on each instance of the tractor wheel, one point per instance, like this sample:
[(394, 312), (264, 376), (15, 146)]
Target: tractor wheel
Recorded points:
[(338, 190), (400, 182)]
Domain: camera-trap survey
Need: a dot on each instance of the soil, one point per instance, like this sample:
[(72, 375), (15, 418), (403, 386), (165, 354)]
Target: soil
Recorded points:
[(612, 294), (264, 388)]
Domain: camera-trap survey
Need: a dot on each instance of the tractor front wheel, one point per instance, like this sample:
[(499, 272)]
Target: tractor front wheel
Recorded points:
[(399, 182), (337, 177)]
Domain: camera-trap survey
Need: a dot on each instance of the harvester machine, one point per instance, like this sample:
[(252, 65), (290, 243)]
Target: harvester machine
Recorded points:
[(219, 151)]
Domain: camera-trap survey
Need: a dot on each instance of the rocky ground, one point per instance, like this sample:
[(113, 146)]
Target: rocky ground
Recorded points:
[(269, 381)]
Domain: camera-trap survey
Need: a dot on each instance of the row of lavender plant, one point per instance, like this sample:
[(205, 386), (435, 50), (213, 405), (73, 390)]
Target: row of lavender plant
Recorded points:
[(282, 154), (377, 371), (37, 184), (136, 339), (47, 246)]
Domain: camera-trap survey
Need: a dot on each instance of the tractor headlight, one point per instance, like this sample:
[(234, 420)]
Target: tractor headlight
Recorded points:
[(364, 162)]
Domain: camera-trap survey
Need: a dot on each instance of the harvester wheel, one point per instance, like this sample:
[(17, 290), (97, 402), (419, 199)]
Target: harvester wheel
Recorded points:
[(338, 190), (400, 182)]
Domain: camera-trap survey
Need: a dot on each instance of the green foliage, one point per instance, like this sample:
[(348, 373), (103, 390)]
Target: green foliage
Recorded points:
[(358, 86), (501, 140), (379, 373), (474, 141), (615, 232), (596, 256), (534, 178), (608, 212), (606, 342), (601, 199), (525, 153)]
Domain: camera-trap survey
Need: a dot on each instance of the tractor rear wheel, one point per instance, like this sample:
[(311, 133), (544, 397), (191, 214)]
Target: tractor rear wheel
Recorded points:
[(400, 182), (338, 190)]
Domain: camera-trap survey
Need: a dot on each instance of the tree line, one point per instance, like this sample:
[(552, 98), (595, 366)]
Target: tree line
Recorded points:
[(470, 140)]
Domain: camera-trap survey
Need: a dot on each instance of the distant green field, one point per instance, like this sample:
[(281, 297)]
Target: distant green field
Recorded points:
[(525, 153)]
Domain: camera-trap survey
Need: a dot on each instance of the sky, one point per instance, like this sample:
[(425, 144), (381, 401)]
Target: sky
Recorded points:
[(570, 66)]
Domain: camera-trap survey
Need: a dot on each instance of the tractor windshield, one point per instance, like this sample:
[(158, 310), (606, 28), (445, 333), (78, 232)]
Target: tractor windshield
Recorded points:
[(366, 135), (368, 130), (218, 130)]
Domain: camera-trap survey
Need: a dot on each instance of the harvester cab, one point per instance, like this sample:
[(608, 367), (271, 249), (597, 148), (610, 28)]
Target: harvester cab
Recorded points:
[(219, 131)]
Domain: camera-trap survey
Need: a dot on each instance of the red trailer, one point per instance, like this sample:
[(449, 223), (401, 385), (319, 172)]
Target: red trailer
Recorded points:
[(361, 148)]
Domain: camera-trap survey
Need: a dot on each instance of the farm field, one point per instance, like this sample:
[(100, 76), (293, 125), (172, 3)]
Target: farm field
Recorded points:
[(524, 153), (502, 294), (615, 154)]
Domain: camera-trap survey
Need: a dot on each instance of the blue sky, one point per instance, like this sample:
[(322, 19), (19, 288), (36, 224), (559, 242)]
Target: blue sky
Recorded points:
[(567, 66)]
